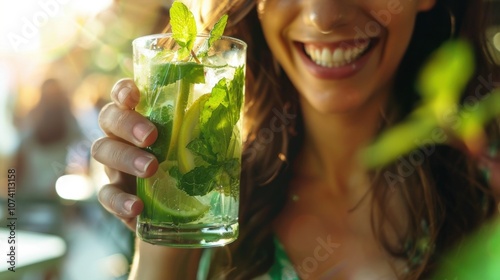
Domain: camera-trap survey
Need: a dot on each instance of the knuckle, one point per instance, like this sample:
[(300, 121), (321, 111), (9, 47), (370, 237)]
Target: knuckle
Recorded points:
[(114, 202), (109, 152), (116, 155), (105, 197), (109, 197), (116, 121), (105, 115), (122, 119)]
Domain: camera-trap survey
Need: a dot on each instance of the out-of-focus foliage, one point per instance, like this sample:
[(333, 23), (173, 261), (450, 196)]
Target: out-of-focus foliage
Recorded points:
[(477, 258), (441, 83)]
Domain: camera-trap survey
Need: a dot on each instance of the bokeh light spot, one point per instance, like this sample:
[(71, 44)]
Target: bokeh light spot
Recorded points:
[(74, 187), (496, 41), (106, 58)]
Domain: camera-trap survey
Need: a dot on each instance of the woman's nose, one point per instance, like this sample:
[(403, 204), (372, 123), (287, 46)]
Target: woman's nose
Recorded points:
[(326, 15)]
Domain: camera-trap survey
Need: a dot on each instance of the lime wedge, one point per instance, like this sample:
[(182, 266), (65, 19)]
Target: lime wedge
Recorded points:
[(190, 129), (171, 204)]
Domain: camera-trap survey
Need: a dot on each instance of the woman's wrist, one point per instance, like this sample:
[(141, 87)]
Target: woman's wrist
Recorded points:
[(161, 262)]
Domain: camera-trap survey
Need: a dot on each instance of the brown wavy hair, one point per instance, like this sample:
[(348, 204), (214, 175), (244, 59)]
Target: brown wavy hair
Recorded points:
[(446, 196)]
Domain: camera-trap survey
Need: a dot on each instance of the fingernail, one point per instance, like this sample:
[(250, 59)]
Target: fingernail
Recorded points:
[(128, 205), (123, 93), (142, 163), (141, 131)]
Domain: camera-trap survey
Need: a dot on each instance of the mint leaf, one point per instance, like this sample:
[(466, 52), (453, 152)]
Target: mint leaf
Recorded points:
[(203, 179), (175, 173), (236, 89), (200, 180), (218, 30), (218, 97), (200, 148), (215, 34), (229, 177), (218, 131), (169, 73), (162, 118), (184, 29), (220, 114), (216, 123), (232, 168)]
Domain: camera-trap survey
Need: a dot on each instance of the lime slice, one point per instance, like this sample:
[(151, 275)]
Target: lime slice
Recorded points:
[(171, 204), (190, 129)]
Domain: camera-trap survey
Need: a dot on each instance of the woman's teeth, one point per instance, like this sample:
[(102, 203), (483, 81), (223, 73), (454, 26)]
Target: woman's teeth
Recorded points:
[(338, 57)]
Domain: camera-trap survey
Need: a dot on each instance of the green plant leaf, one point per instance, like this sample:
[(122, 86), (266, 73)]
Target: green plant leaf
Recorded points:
[(200, 180), (441, 84), (477, 257), (201, 148), (162, 118), (184, 29), (236, 88), (218, 30), (169, 73), (215, 34), (216, 124)]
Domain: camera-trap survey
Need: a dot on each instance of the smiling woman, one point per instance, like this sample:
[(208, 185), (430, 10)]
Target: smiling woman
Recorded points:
[(375, 55), (301, 41)]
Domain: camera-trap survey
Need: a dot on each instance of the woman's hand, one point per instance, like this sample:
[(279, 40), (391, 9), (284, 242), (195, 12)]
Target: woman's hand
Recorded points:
[(126, 132)]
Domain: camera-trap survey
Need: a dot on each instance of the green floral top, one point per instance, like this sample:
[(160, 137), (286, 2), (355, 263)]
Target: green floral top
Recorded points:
[(282, 268)]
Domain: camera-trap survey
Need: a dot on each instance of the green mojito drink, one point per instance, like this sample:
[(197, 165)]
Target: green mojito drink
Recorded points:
[(195, 99)]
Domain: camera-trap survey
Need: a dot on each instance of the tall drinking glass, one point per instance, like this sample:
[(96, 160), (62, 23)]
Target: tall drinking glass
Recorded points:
[(196, 102)]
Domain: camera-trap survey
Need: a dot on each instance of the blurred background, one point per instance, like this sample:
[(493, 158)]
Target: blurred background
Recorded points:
[(58, 62)]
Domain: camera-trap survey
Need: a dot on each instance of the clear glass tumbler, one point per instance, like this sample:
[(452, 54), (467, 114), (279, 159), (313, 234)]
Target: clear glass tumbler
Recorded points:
[(196, 102)]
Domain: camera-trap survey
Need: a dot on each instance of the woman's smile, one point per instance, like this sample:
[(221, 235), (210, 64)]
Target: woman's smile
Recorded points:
[(336, 60)]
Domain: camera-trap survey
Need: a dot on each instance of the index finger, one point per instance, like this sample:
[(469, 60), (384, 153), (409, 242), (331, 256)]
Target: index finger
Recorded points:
[(125, 94)]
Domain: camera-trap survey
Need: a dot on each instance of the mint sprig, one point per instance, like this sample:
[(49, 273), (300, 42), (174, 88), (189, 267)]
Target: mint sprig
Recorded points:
[(215, 144), (184, 31), (215, 34)]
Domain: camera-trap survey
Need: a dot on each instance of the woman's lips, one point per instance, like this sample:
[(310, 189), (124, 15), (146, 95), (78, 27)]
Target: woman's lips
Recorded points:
[(336, 60)]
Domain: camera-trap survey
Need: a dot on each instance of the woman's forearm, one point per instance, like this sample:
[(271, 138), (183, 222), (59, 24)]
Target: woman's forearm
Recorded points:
[(153, 262)]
